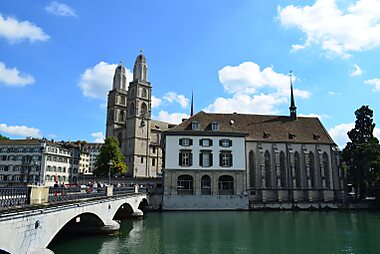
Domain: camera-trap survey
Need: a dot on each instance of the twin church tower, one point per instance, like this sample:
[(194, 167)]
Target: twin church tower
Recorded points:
[(129, 120)]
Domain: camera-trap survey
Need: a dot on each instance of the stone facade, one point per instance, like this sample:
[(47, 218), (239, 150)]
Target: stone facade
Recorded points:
[(129, 121), (279, 162)]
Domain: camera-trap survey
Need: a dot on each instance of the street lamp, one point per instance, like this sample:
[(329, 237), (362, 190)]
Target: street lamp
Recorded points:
[(109, 172)]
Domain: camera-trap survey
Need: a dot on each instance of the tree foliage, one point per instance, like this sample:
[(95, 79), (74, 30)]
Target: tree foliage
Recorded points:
[(362, 154), (110, 152), (3, 137)]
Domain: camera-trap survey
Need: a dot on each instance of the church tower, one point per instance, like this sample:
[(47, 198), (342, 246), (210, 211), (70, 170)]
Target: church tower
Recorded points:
[(138, 120), (117, 107)]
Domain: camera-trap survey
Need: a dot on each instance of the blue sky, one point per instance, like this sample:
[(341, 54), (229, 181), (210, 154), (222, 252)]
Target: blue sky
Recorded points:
[(57, 60)]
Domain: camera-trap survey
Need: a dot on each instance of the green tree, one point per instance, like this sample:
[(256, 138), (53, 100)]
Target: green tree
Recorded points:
[(110, 152), (3, 137), (362, 154)]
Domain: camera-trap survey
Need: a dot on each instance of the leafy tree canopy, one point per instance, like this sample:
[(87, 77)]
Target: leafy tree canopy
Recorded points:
[(3, 137), (110, 152), (362, 154)]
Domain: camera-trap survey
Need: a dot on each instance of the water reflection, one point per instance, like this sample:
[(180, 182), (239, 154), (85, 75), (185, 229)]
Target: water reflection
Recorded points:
[(241, 232)]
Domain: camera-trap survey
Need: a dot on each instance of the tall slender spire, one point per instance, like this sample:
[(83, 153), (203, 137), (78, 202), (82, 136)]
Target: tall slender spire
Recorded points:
[(292, 108), (192, 105)]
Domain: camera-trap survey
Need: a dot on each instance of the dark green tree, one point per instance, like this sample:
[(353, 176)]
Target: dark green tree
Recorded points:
[(3, 137), (362, 154), (110, 152)]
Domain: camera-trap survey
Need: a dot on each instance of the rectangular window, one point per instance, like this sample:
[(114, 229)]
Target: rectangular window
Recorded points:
[(195, 126), (225, 143), (225, 159), (185, 158), (214, 126), (153, 162), (205, 159), (205, 142), (142, 159), (185, 142)]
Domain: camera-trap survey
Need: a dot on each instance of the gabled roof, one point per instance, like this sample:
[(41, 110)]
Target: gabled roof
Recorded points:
[(262, 128)]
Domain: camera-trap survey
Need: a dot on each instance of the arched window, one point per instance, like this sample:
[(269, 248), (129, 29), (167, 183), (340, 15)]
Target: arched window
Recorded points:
[(267, 168), (282, 169), (143, 109), (252, 169), (312, 170), (143, 93), (121, 116), (132, 109), (206, 185), (185, 185), (226, 185), (326, 170), (297, 169), (122, 100)]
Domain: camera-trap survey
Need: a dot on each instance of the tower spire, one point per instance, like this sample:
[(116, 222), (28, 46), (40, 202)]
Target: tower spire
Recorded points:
[(292, 108), (192, 105)]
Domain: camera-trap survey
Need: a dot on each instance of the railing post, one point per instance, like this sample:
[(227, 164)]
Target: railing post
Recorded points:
[(136, 188), (39, 195), (109, 190)]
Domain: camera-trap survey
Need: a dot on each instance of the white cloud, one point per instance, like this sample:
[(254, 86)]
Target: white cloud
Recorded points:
[(247, 78), (156, 102), (15, 31), (339, 133), (243, 103), (332, 93), (375, 82), (338, 32), (174, 118), (60, 9), (99, 137), (253, 90), (357, 72), (20, 130), (13, 77), (171, 97), (96, 81), (323, 116)]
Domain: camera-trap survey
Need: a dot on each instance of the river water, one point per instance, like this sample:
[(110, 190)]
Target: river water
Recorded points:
[(237, 232)]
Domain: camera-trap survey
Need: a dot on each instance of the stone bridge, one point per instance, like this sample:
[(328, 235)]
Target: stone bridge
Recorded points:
[(31, 230)]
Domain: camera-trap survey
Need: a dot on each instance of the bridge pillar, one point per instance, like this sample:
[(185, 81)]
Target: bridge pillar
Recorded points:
[(43, 251), (137, 213), (39, 195), (110, 227)]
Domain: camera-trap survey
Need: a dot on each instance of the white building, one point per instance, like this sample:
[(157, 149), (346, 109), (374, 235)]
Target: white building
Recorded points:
[(273, 161), (204, 166), (37, 161), (93, 150)]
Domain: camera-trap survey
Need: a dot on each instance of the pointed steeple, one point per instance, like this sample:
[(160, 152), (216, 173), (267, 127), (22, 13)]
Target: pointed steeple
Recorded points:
[(292, 108), (120, 78), (192, 105), (140, 69)]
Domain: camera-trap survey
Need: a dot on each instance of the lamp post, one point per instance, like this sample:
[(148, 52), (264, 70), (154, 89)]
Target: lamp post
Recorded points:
[(109, 172)]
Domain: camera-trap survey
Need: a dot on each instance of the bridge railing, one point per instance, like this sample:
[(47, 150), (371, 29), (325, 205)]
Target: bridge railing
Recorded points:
[(65, 194), (14, 196)]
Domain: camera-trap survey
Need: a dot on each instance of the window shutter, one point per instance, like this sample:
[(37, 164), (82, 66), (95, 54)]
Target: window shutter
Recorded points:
[(180, 159), (220, 159), (190, 142), (230, 142), (191, 159), (220, 142), (211, 159), (180, 141), (210, 142), (201, 159), (230, 159), (201, 142)]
